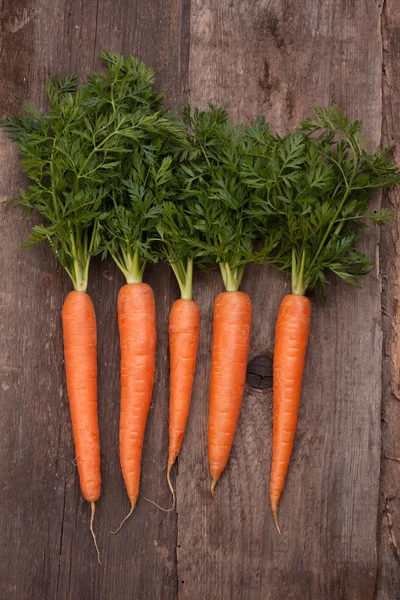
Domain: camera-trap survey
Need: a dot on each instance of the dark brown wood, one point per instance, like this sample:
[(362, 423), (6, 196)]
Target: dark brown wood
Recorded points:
[(389, 497), (46, 550), (277, 58)]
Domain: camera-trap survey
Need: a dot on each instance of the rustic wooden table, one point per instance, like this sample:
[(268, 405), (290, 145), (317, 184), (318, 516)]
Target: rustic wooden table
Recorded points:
[(340, 509)]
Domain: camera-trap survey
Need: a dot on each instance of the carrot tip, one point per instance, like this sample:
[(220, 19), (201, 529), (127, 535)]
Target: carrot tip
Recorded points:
[(169, 481), (275, 517), (125, 519), (93, 507), (213, 484)]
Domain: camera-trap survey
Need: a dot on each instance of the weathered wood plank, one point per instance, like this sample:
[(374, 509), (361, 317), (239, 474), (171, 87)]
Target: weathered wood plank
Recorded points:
[(272, 58), (46, 548), (388, 585), (255, 58)]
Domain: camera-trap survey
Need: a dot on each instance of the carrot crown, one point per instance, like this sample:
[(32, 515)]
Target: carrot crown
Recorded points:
[(312, 191)]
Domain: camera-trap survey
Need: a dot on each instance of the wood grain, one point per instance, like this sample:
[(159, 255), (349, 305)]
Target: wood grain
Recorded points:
[(46, 550), (389, 498), (255, 56), (262, 57)]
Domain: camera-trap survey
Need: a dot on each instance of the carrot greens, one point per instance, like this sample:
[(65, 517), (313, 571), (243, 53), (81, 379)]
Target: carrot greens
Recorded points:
[(216, 198), (75, 154), (314, 186), (143, 175)]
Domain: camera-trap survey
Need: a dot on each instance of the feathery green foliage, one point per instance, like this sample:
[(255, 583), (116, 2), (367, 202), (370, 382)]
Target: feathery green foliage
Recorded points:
[(129, 231), (215, 199), (312, 190), (97, 160), (69, 173), (175, 229), (74, 154)]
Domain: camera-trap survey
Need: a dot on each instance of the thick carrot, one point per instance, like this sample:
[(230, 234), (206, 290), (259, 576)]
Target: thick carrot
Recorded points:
[(79, 325), (137, 329), (184, 329), (291, 337), (232, 325)]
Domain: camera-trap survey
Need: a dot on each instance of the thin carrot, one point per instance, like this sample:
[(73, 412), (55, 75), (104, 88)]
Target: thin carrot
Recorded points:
[(312, 191), (137, 329), (79, 325), (232, 324), (291, 337), (179, 239), (184, 329)]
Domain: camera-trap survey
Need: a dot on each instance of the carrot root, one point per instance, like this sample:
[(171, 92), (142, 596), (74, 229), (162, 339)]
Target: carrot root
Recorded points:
[(169, 481), (172, 492), (275, 517), (291, 337), (79, 328), (124, 519), (137, 327), (93, 507), (183, 329), (231, 341), (160, 507)]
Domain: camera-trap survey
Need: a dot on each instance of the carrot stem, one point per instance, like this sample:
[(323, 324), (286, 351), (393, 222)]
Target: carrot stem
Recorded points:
[(184, 277), (232, 277), (299, 285)]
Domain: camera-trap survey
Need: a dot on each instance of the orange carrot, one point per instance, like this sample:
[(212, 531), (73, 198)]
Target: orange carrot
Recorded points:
[(184, 329), (137, 329), (232, 324), (291, 337), (79, 325)]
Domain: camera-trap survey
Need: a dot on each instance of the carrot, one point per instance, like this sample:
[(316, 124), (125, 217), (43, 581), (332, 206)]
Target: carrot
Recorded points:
[(232, 324), (184, 329), (291, 337), (312, 189), (137, 329), (130, 231), (67, 189), (179, 239), (79, 325)]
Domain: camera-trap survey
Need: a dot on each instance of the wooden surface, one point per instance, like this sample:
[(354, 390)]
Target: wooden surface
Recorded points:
[(341, 507)]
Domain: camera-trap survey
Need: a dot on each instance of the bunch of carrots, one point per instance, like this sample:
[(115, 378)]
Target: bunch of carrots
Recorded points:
[(114, 174)]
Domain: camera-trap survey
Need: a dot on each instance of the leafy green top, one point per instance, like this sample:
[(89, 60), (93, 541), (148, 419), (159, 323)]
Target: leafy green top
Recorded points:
[(217, 227), (176, 229), (144, 176), (74, 153), (311, 192)]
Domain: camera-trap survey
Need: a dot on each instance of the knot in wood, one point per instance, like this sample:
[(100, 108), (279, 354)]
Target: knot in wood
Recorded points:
[(259, 372)]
